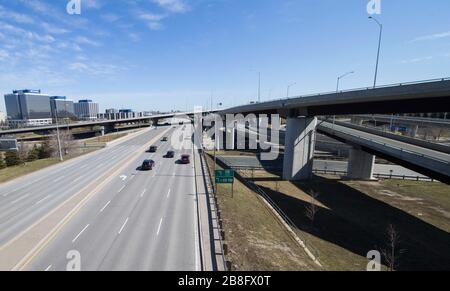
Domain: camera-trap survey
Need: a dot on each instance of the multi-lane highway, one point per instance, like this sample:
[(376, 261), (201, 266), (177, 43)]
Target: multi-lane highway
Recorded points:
[(135, 221)]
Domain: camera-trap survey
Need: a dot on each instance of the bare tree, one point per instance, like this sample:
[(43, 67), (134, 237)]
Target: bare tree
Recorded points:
[(312, 208), (392, 253), (23, 150), (67, 143)]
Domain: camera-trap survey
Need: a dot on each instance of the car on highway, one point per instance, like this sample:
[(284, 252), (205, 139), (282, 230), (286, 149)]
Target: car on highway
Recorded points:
[(164, 139), (170, 154), (185, 159), (148, 165), (153, 149)]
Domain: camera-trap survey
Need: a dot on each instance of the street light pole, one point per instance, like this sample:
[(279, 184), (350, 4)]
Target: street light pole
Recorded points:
[(289, 87), (57, 134), (337, 89), (379, 48), (339, 79)]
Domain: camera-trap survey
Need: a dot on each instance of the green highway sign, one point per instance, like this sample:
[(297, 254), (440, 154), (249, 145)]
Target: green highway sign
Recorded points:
[(224, 176)]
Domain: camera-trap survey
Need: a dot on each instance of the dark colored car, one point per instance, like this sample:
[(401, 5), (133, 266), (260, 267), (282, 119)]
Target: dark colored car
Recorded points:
[(170, 154), (165, 139), (153, 149), (148, 165), (185, 159)]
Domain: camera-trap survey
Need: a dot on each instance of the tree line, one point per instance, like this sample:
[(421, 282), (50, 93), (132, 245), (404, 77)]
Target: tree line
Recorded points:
[(47, 149)]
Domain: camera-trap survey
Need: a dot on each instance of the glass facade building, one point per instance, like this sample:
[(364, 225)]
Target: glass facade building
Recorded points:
[(86, 109), (28, 108), (62, 107)]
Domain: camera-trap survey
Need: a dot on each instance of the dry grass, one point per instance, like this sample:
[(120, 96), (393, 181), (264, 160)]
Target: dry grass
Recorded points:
[(257, 240)]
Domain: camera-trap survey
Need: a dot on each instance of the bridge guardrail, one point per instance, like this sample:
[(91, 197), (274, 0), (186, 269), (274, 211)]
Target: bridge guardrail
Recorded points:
[(405, 139), (364, 88), (333, 131)]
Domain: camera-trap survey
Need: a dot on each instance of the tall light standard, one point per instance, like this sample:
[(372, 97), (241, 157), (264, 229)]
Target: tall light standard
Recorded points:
[(57, 133), (289, 87), (340, 77), (337, 88), (379, 48)]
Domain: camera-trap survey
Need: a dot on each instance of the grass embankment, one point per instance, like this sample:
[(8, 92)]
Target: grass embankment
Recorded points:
[(256, 238), (353, 218), (11, 173), (85, 147)]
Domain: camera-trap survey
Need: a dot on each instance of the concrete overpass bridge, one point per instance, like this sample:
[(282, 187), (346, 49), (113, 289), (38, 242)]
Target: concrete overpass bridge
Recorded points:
[(425, 158), (107, 125), (302, 113)]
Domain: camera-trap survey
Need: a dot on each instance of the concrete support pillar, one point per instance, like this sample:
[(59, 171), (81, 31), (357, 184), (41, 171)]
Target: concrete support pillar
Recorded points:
[(360, 165), (299, 148), (414, 130)]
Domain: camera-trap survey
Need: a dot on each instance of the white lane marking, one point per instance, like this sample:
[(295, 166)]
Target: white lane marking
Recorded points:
[(131, 178), (21, 198), (143, 193), (123, 226), (58, 179), (48, 268), (104, 207), (168, 194), (81, 232), (123, 187), (123, 177), (77, 179), (159, 227), (43, 199)]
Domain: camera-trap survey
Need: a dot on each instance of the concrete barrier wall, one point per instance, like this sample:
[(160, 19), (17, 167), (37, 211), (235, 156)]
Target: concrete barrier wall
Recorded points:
[(410, 140)]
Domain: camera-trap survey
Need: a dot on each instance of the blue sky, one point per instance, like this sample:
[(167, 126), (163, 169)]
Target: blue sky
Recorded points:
[(173, 54)]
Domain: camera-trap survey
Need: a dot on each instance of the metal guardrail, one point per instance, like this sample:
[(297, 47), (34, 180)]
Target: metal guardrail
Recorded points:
[(283, 215), (362, 88), (378, 176), (333, 131), (204, 165)]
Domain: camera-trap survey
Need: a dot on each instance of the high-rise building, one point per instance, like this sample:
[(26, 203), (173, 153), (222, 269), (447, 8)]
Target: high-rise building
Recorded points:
[(28, 108), (62, 108), (86, 110), (111, 111)]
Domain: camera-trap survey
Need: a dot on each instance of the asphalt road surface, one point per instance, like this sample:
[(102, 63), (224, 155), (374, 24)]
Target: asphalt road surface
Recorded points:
[(138, 221)]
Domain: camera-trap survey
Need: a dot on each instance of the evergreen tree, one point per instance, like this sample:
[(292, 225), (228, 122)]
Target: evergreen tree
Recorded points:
[(12, 159), (33, 155)]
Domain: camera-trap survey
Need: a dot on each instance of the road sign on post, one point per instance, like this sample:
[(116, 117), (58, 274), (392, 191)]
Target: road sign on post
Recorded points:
[(225, 177)]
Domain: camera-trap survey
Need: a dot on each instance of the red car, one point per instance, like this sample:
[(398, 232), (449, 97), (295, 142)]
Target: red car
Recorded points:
[(185, 159)]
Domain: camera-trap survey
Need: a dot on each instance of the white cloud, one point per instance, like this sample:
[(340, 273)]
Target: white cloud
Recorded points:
[(16, 17), (3, 55), (154, 25), (432, 36), (96, 69), (85, 40), (110, 17), (53, 29), (417, 60), (175, 6)]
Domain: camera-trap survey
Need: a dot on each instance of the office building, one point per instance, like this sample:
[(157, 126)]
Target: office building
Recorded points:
[(28, 108), (62, 108), (111, 111), (86, 110)]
